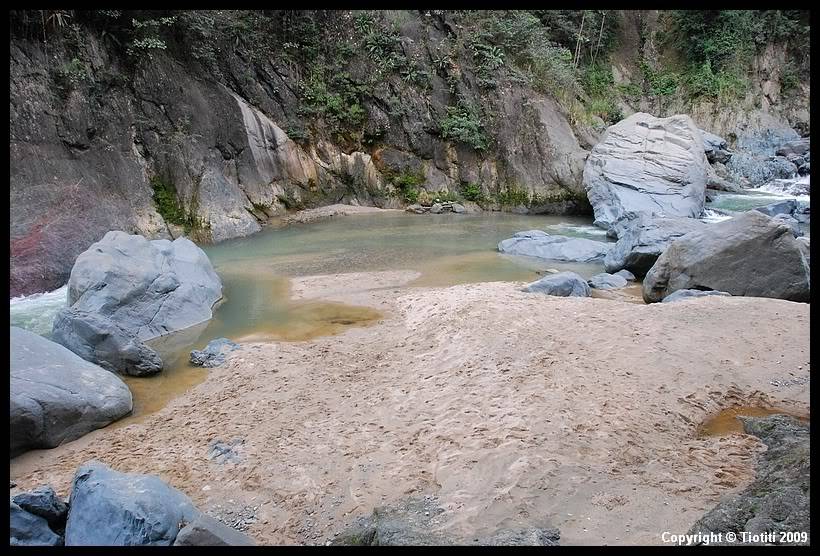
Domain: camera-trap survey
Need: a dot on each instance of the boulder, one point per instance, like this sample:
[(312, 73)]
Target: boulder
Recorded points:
[(109, 508), (646, 166), (535, 243), (750, 254), (458, 208), (760, 170), (687, 294), (780, 207), (715, 147), (644, 240), (145, 288), (563, 284), (55, 396), (606, 281), (207, 531), (436, 208), (798, 147), (791, 222), (804, 169), (98, 339), (779, 498), (44, 502), (628, 276), (27, 529), (214, 353)]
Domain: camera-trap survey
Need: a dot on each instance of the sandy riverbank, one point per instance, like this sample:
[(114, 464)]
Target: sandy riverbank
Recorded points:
[(513, 408), (311, 215)]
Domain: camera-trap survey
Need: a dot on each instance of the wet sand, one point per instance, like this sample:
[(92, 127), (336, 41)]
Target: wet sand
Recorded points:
[(515, 409)]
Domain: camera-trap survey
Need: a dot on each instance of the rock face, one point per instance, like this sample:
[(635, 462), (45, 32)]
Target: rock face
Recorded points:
[(606, 281), (207, 531), (680, 295), (214, 353), (108, 508), (644, 240), (55, 396), (779, 498), (646, 166), (750, 254), (27, 529), (125, 290), (536, 243), (563, 284)]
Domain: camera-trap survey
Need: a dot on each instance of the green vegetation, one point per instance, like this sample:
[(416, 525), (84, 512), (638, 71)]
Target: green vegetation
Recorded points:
[(169, 206), (406, 183), (472, 192), (464, 124)]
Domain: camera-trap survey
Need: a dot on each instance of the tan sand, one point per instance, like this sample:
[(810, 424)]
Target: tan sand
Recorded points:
[(514, 409)]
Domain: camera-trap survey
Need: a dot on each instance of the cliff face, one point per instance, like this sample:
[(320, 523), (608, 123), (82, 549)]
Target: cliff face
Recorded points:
[(239, 118)]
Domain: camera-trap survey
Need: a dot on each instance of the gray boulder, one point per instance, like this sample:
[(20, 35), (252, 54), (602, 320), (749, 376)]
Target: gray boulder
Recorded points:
[(214, 353), (145, 288), (535, 243), (563, 284), (646, 166), (207, 531), (687, 294), (780, 207), (797, 147), (44, 502), (804, 169), (458, 208), (779, 498), (791, 222), (750, 254), (628, 276), (715, 147), (606, 281), (644, 240), (97, 338), (55, 396), (27, 529), (109, 508), (436, 208)]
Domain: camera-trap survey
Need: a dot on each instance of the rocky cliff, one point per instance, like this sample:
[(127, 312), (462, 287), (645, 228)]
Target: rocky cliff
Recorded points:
[(209, 123)]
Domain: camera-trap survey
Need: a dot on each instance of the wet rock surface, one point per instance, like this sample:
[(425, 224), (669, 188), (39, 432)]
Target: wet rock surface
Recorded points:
[(779, 498)]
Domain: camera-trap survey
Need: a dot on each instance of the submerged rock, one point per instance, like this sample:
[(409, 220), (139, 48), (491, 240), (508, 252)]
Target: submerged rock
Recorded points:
[(144, 288), (779, 498), (55, 396), (680, 295), (562, 284), (535, 243), (27, 529), (109, 508), (214, 353), (644, 240), (750, 254), (606, 281), (646, 166), (780, 207)]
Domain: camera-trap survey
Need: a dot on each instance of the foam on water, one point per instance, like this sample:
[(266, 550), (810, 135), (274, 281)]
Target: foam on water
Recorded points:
[(36, 312), (712, 217)]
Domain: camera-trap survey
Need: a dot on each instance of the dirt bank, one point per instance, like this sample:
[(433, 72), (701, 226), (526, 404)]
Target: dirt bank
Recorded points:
[(513, 408)]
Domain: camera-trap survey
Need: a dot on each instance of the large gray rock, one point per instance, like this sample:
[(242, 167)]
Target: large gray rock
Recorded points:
[(715, 147), (207, 531), (680, 295), (606, 281), (109, 508), (750, 254), (780, 207), (55, 396), (97, 338), (644, 240), (646, 166), (798, 147), (535, 243), (791, 222), (563, 284), (44, 502), (125, 290), (779, 498), (628, 276), (27, 529)]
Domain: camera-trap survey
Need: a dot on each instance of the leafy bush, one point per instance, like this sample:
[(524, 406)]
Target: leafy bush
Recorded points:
[(463, 124), (472, 192), (167, 202)]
